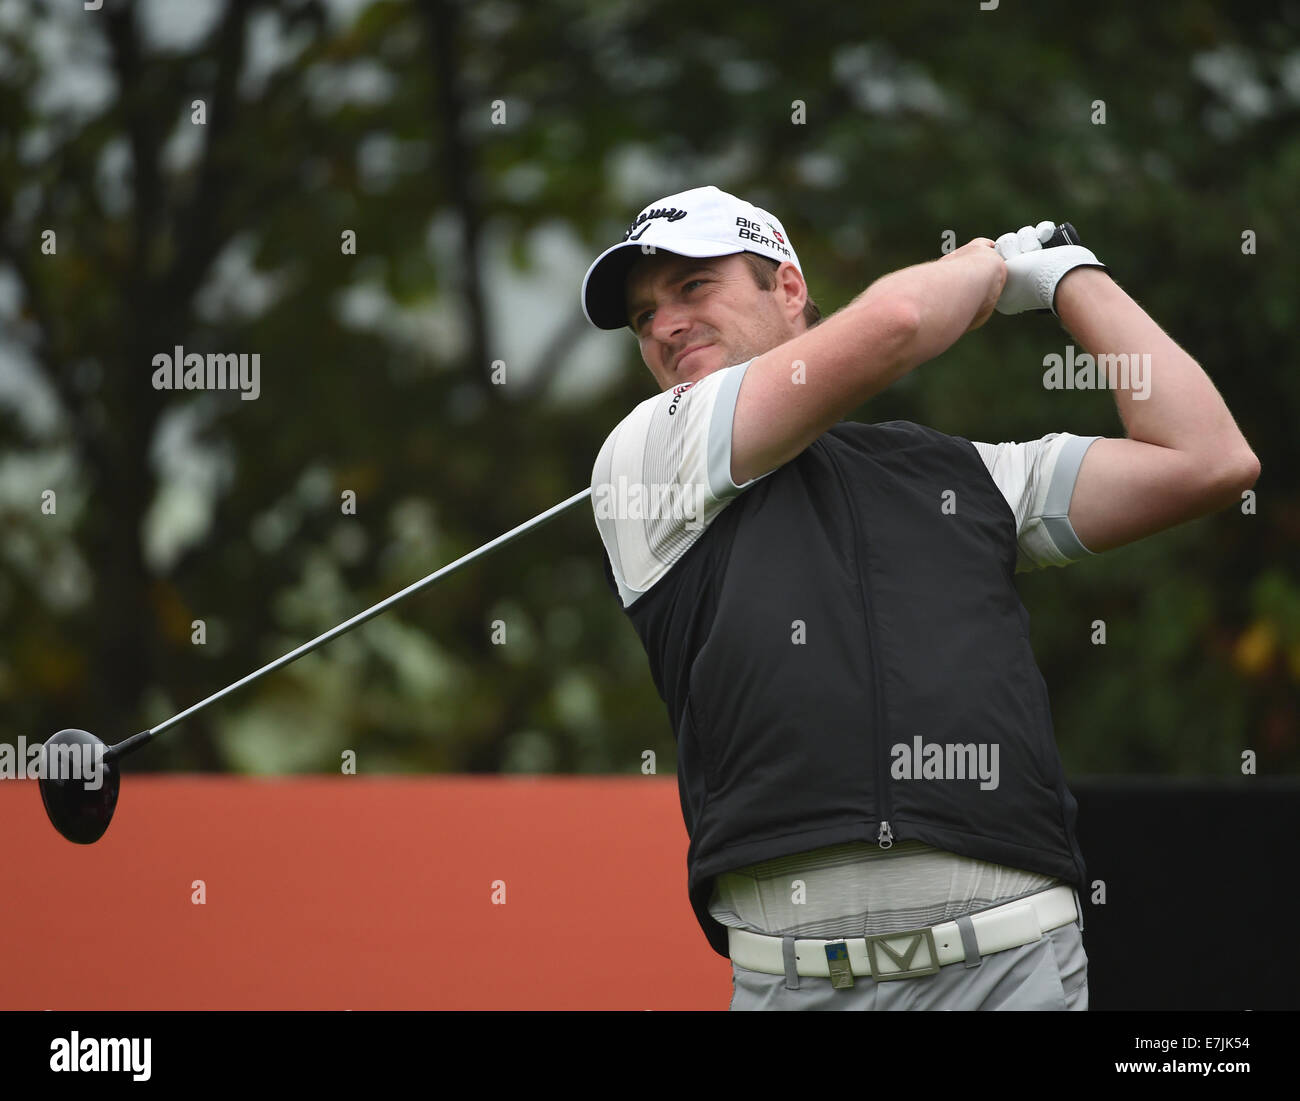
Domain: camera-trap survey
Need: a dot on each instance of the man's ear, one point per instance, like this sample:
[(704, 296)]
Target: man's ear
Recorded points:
[(792, 288)]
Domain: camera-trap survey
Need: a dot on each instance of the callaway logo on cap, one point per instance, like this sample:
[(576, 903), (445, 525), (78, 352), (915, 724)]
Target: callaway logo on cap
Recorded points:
[(701, 222)]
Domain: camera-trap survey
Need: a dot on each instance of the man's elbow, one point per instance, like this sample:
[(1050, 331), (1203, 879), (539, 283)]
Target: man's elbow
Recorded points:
[(1233, 477), (1245, 471)]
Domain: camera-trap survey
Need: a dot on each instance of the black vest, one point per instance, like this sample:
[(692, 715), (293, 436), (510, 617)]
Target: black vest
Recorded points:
[(838, 649)]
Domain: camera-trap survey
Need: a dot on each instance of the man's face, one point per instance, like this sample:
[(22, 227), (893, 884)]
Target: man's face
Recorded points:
[(693, 317)]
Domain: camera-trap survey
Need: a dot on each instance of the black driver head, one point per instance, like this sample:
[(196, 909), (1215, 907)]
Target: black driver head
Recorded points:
[(78, 785)]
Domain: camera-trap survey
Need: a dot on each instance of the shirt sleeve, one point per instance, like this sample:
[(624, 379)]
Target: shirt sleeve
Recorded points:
[(1037, 479), (663, 475)]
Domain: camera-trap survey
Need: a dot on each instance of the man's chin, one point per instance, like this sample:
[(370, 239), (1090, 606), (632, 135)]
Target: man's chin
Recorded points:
[(698, 364)]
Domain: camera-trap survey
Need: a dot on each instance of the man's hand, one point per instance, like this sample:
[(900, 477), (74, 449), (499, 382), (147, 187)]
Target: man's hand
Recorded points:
[(1033, 271), (981, 252)]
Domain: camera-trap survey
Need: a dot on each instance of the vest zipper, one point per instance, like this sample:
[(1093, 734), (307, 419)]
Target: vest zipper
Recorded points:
[(884, 834)]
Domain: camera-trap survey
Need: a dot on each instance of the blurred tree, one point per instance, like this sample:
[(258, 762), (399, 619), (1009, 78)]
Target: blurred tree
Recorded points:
[(424, 129)]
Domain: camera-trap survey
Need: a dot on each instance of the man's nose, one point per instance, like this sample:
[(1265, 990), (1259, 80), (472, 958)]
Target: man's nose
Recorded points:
[(669, 322)]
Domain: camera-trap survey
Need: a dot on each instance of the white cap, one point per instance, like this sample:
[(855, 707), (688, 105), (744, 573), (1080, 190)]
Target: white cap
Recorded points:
[(701, 222)]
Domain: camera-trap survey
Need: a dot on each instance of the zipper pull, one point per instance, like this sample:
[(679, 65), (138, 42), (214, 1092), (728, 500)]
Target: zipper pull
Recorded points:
[(885, 837)]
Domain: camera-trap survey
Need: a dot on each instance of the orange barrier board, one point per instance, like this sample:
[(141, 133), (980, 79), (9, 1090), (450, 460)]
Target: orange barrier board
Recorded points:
[(448, 893)]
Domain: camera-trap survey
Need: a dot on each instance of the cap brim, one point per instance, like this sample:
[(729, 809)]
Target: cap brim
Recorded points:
[(604, 290)]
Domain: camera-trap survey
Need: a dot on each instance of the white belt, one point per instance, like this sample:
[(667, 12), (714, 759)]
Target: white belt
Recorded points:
[(912, 952)]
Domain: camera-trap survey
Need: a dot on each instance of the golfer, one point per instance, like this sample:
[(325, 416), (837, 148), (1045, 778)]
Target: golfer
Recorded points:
[(877, 812)]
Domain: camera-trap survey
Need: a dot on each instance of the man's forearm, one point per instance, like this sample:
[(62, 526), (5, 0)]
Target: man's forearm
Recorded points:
[(944, 297), (1181, 408)]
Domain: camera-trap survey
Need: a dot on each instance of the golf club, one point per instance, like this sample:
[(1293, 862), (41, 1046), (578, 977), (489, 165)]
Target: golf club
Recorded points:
[(82, 813)]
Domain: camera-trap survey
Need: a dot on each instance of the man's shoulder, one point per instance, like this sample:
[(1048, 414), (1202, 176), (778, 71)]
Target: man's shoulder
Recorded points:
[(671, 407), (637, 415)]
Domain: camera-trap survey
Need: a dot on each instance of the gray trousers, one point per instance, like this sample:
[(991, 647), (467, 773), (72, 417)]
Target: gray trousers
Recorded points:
[(1049, 973)]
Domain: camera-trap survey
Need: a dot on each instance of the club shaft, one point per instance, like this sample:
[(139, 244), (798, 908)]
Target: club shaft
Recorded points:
[(307, 647)]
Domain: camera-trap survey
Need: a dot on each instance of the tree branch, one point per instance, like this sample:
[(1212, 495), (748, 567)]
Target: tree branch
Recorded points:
[(204, 238), (443, 20)]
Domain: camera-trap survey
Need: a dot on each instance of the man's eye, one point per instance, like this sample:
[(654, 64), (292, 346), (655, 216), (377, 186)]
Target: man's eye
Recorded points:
[(645, 317)]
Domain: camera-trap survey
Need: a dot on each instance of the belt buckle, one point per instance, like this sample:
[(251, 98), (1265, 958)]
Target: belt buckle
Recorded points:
[(899, 964)]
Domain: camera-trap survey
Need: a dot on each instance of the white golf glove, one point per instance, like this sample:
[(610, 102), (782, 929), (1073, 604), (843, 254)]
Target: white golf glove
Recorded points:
[(1033, 271)]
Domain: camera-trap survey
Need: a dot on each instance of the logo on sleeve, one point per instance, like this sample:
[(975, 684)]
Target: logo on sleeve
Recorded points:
[(678, 391)]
